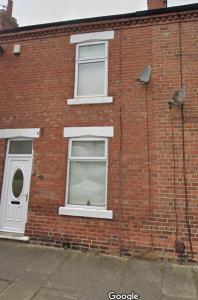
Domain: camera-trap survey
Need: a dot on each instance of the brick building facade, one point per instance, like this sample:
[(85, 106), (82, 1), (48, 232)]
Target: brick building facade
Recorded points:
[(85, 126)]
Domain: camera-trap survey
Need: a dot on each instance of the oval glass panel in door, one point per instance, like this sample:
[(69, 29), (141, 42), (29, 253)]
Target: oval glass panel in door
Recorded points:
[(17, 183)]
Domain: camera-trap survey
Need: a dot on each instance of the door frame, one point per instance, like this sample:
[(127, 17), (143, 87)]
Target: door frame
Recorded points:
[(4, 190)]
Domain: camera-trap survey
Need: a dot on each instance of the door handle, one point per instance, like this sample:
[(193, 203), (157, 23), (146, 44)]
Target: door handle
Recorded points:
[(26, 197)]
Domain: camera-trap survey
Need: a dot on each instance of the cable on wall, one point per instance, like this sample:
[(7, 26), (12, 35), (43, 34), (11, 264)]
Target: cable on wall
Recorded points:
[(174, 178), (144, 78), (149, 168), (121, 149), (183, 145), (185, 185), (181, 54)]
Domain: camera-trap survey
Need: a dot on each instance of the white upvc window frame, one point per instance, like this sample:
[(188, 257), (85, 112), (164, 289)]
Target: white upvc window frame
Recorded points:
[(95, 60), (18, 140), (91, 133), (70, 158)]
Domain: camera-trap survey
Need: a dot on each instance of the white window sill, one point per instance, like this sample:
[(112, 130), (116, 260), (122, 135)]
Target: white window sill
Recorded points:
[(91, 100), (87, 213)]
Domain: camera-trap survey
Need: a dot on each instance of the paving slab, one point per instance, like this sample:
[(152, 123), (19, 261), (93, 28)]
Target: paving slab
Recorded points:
[(173, 298), (32, 279), (109, 271), (52, 294), (3, 284), (33, 272), (48, 261), (106, 276), (17, 292), (195, 272), (6, 247), (145, 290), (95, 293), (23, 251), (75, 272), (10, 268), (16, 259), (143, 278), (138, 270), (179, 281)]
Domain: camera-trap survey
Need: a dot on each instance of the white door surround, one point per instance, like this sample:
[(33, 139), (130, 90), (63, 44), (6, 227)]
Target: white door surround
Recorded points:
[(16, 185)]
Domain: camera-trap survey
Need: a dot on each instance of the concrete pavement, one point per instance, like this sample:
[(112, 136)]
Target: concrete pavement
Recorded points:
[(43, 273)]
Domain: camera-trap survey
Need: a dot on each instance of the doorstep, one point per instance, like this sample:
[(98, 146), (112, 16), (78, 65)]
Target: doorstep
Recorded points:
[(13, 236)]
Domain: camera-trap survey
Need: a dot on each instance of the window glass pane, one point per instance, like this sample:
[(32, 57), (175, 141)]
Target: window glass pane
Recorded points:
[(91, 51), (20, 147), (88, 148), (17, 183), (91, 79), (87, 183)]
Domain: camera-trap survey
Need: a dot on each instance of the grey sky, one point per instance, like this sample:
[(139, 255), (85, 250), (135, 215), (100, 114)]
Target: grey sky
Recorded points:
[(29, 12)]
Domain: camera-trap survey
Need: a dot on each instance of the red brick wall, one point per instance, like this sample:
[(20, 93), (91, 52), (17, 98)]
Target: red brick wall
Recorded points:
[(33, 92)]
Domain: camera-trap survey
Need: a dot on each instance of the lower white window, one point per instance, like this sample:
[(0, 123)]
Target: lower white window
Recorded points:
[(87, 172)]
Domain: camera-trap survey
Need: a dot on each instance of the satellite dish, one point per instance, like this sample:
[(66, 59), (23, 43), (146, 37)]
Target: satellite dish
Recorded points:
[(146, 74), (178, 98)]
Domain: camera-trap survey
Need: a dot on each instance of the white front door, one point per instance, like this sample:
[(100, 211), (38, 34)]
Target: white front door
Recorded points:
[(16, 186)]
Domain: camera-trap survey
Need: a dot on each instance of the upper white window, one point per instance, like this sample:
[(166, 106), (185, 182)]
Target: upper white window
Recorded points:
[(91, 69)]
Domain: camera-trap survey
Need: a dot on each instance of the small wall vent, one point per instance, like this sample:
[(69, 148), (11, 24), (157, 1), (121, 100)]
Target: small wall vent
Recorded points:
[(17, 49)]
